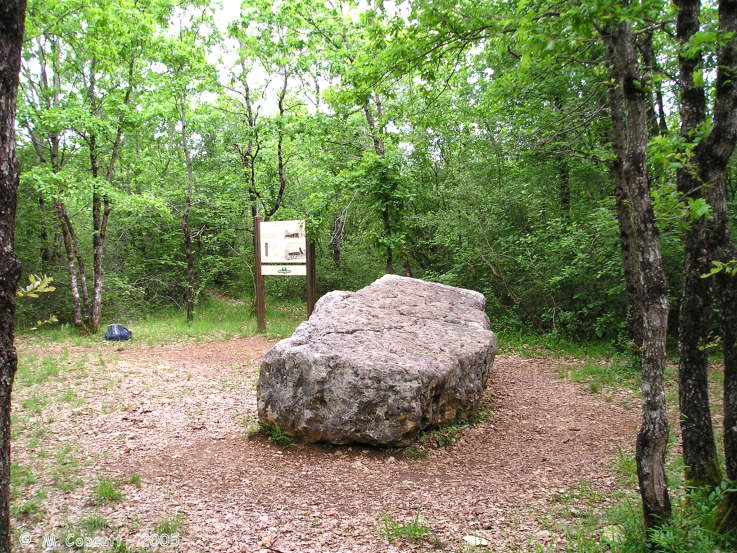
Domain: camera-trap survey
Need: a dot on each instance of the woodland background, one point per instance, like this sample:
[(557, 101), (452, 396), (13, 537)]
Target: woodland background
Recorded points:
[(147, 124)]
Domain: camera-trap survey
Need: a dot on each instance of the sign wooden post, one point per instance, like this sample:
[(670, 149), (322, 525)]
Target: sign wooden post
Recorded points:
[(260, 294), (311, 288)]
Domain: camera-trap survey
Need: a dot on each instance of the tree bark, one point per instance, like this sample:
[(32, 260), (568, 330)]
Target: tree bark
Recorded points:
[(627, 242), (652, 438), (699, 447), (12, 21), (713, 155)]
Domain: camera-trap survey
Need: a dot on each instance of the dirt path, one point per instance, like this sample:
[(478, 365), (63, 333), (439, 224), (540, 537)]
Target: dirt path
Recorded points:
[(174, 415)]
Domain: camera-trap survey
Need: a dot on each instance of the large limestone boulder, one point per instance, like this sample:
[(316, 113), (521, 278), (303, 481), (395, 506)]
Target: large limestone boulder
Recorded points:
[(379, 365)]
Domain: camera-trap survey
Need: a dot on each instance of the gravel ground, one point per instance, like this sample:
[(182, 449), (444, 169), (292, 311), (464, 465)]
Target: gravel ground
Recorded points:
[(168, 425)]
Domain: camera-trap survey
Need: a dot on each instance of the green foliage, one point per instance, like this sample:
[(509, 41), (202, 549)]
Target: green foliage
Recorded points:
[(36, 285), (274, 433), (481, 161), (729, 268)]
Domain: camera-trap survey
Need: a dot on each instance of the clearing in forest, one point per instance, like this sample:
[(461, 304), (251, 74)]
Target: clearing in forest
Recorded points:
[(137, 442)]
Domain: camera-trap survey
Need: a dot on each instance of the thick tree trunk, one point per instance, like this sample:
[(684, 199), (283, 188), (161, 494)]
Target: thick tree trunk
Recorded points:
[(710, 240), (11, 40), (699, 447), (652, 438), (714, 153)]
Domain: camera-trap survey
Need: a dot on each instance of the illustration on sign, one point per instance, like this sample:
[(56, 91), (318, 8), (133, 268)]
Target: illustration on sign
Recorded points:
[(283, 242)]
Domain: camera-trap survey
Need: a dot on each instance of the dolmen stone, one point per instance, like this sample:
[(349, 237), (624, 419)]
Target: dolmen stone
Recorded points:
[(379, 365)]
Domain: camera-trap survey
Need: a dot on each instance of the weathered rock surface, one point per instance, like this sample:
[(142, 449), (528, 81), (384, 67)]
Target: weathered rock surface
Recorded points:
[(379, 365)]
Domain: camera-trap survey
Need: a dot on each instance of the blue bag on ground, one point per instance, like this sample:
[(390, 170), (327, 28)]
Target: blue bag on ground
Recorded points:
[(118, 332)]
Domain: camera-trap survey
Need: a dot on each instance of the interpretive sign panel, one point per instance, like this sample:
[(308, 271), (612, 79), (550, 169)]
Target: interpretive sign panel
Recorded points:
[(283, 242), (282, 250)]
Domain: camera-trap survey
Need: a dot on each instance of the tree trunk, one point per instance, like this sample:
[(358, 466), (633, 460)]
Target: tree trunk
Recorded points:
[(380, 150), (185, 215), (714, 153), (100, 212), (627, 242), (68, 247), (699, 447), (335, 242), (652, 438), (12, 22), (407, 268)]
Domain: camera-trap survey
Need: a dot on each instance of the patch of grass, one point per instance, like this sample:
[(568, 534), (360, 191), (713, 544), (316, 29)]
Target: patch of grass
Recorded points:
[(34, 404), (65, 472), (135, 480), (584, 492), (70, 397), (21, 475), (30, 507), (107, 491), (170, 526), (393, 530), (94, 522), (626, 466), (34, 370), (547, 345), (446, 435), (216, 318), (604, 373)]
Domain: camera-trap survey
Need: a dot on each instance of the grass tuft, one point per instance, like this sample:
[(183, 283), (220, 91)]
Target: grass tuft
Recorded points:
[(170, 526), (393, 530), (107, 491)]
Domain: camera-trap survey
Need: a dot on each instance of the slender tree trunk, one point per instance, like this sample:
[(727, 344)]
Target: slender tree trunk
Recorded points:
[(652, 438), (279, 150), (407, 267), (12, 22), (185, 215), (699, 447), (101, 206), (73, 286), (627, 242), (76, 254), (335, 243), (100, 212), (380, 150)]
